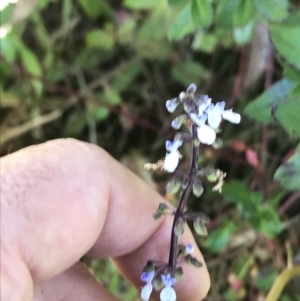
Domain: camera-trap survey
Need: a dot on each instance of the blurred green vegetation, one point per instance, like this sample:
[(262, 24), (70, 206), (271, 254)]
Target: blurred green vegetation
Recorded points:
[(101, 71)]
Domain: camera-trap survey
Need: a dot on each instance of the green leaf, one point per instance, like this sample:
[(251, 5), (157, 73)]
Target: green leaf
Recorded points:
[(123, 81), (138, 4), (75, 124), (287, 42), (225, 12), (188, 72), (243, 13), (98, 38), (99, 113), (112, 97), (267, 221), (32, 65), (6, 14), (8, 47), (182, 25), (261, 107), (91, 7), (288, 174), (242, 35), (274, 10), (202, 13), (218, 239), (287, 114), (206, 42), (175, 2), (265, 282)]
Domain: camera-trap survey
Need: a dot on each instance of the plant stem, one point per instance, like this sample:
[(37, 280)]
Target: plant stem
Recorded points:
[(183, 198)]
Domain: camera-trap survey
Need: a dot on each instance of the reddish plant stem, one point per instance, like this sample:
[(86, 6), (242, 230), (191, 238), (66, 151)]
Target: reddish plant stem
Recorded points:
[(183, 199)]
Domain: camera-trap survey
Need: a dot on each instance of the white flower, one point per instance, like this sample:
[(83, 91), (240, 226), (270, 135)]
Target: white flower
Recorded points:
[(171, 161), (206, 134), (168, 293), (214, 114), (147, 289), (231, 116)]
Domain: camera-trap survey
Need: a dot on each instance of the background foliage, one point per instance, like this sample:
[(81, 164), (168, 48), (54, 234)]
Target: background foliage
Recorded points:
[(101, 71)]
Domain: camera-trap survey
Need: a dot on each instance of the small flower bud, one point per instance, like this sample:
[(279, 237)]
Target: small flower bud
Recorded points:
[(191, 88), (182, 96), (213, 176), (199, 227), (163, 208), (156, 215), (196, 142), (178, 274), (190, 260), (149, 267), (180, 250), (197, 188), (158, 284), (185, 183), (218, 143), (179, 226), (174, 185)]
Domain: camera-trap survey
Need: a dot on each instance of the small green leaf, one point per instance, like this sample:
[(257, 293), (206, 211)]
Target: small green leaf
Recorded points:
[(261, 107), (288, 174), (100, 113), (274, 10), (219, 238), (175, 2), (91, 7), (225, 12), (287, 41), (189, 72), (75, 124), (98, 38), (112, 97), (243, 13), (202, 13), (287, 114), (242, 35), (265, 282), (206, 42), (182, 25), (138, 4), (32, 65)]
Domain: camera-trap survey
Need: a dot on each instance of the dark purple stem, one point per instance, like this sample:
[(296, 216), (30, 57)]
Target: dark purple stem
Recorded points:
[(183, 199)]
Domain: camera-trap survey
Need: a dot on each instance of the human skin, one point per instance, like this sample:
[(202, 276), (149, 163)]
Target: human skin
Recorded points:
[(65, 198)]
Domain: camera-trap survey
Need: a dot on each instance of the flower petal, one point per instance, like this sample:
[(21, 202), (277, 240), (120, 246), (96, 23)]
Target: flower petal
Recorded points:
[(147, 277), (173, 146), (172, 104), (206, 134), (171, 161), (168, 294), (198, 119), (191, 88), (168, 280), (231, 116), (214, 117), (146, 292), (189, 248)]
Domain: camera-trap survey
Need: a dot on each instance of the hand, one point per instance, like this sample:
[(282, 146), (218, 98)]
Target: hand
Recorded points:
[(64, 198)]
